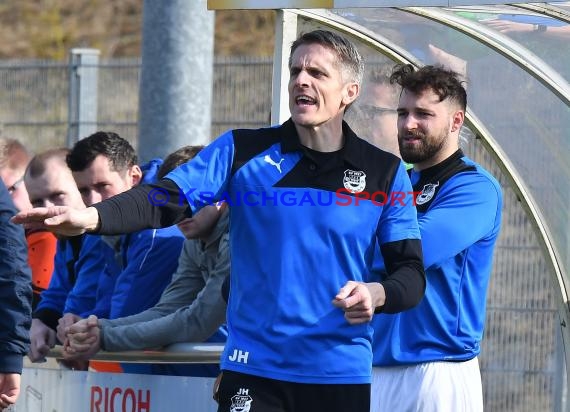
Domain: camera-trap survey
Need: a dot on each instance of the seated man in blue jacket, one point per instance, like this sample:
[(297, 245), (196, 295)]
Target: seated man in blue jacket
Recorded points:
[(191, 308), (16, 298), (78, 260), (103, 165)]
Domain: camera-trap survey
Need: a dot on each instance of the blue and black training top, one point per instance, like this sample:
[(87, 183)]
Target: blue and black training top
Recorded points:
[(459, 214), (301, 225)]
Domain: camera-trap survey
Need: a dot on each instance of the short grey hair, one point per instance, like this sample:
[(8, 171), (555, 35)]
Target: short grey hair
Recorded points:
[(348, 56)]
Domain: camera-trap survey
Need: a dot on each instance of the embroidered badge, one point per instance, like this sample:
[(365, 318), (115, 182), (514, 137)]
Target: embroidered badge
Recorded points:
[(354, 181), (427, 193)]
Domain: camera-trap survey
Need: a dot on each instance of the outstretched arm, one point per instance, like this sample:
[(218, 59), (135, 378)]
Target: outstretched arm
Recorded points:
[(142, 207), (62, 220), (507, 26)]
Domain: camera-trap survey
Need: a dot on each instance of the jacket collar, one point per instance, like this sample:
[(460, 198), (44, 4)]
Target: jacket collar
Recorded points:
[(443, 165), (351, 151)]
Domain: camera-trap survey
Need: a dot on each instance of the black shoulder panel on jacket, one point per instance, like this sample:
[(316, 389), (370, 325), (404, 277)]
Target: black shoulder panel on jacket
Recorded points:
[(249, 142), (381, 167)]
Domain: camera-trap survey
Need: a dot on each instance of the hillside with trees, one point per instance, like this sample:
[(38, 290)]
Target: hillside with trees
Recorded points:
[(47, 29)]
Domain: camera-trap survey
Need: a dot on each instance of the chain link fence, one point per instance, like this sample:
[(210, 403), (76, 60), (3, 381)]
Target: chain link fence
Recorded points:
[(34, 98)]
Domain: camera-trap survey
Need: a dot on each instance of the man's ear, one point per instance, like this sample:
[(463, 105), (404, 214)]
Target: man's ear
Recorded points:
[(350, 93), (135, 174), (457, 120)]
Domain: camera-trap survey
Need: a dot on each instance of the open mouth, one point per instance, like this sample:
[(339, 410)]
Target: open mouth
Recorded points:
[(304, 100)]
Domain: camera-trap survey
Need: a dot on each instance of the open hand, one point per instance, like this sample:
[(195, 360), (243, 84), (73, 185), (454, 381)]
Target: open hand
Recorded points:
[(62, 220)]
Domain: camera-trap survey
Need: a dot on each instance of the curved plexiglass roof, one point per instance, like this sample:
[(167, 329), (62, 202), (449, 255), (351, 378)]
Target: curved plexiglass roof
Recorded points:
[(518, 86), (518, 77)]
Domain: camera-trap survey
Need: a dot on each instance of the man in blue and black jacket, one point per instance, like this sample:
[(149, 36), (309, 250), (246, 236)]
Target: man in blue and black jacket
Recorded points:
[(426, 358), (300, 253)]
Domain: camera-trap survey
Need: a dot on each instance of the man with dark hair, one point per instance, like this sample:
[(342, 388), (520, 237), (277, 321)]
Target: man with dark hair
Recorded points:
[(105, 151), (191, 308), (16, 298), (426, 358), (103, 165), (299, 307)]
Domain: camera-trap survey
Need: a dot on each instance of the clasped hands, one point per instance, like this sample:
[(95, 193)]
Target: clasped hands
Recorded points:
[(81, 339)]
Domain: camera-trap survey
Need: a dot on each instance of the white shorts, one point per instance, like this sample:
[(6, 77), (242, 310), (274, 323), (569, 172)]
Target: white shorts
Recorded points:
[(428, 387)]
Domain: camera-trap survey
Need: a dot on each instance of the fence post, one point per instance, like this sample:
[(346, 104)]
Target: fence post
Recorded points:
[(82, 100)]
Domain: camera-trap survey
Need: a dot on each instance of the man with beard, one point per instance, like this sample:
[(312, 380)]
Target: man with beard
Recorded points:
[(426, 358)]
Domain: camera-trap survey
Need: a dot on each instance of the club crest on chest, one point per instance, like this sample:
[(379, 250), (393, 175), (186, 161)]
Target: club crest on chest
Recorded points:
[(427, 193), (354, 180)]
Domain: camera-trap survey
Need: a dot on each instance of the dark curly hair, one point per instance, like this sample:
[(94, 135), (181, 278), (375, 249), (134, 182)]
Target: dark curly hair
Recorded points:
[(444, 82)]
